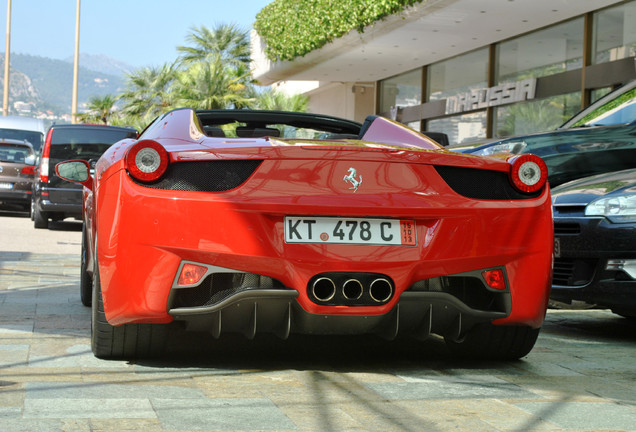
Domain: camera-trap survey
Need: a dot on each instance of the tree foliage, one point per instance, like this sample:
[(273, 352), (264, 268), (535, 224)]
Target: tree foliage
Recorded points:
[(293, 28), (228, 41), (211, 73), (99, 109)]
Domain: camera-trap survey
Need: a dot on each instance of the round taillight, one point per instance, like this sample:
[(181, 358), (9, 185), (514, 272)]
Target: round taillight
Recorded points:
[(147, 161), (529, 173)]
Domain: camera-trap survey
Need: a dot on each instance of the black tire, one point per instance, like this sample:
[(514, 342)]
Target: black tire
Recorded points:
[(40, 219), (492, 342), (86, 281), (128, 341)]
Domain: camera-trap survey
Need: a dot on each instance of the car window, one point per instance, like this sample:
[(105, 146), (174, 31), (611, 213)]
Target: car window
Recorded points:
[(32, 137), (15, 153), (84, 143), (616, 111)]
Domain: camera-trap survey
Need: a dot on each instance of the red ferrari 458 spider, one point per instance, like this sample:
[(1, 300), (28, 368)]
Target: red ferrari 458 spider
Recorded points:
[(260, 221)]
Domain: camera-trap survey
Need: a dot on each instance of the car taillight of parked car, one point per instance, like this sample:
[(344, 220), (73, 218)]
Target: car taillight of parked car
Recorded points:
[(28, 170), (44, 162)]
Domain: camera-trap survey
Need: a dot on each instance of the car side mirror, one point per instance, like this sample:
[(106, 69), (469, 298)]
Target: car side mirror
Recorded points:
[(76, 171)]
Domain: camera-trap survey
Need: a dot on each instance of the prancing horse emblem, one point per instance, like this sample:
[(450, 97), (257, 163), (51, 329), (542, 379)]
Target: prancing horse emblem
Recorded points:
[(351, 178)]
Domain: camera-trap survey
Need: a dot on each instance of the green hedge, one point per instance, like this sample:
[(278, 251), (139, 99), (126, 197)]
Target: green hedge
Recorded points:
[(293, 28)]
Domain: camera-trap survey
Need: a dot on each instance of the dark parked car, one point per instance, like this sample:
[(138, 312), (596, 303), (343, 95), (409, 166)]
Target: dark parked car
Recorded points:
[(600, 139), (57, 199), (595, 245), (17, 161)]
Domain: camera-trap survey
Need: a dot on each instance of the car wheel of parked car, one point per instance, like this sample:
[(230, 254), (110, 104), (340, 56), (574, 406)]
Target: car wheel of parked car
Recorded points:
[(126, 341), (32, 211), (86, 282), (40, 219), (488, 341)]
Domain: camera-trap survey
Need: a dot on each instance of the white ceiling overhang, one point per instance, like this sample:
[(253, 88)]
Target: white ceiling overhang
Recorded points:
[(432, 31)]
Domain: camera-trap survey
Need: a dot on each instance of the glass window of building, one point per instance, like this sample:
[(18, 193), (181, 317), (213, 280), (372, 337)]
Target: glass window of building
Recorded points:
[(458, 74), (454, 76), (545, 52), (461, 129), (536, 115), (401, 90), (615, 33)]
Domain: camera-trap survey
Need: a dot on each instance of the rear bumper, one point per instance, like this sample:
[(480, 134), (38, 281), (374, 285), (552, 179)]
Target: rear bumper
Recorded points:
[(417, 314), (70, 210), (15, 197), (145, 235)]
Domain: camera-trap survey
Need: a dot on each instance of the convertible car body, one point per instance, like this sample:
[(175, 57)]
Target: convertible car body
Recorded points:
[(255, 221)]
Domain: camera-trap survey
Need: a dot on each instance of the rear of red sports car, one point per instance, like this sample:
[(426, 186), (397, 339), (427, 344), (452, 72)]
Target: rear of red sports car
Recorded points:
[(386, 234)]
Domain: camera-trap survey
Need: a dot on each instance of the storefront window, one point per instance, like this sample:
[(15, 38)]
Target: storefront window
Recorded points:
[(459, 74), (536, 116), (615, 33), (461, 129), (545, 52), (401, 90)]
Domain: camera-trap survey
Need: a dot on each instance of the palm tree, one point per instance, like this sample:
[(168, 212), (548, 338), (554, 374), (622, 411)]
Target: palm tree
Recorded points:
[(275, 100), (228, 41), (100, 109), (212, 85), (149, 92)]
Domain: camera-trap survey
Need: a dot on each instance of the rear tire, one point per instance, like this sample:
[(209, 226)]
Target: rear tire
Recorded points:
[(492, 342), (86, 282), (40, 219), (127, 341)]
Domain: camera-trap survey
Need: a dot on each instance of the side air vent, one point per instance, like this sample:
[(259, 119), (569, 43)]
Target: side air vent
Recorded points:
[(205, 176), (481, 184)]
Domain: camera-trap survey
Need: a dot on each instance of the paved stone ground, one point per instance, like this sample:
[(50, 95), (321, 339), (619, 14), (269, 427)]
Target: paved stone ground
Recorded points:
[(579, 377)]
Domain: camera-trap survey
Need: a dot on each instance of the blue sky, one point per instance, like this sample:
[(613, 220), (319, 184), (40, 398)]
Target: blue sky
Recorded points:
[(138, 32)]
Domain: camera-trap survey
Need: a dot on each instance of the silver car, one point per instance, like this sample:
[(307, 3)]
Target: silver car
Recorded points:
[(17, 169)]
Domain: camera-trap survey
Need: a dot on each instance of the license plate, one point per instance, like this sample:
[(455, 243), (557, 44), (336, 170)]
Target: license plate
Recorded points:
[(557, 247), (6, 185), (359, 231)]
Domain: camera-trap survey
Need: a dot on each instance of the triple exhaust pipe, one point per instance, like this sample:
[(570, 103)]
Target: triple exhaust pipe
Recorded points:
[(351, 290)]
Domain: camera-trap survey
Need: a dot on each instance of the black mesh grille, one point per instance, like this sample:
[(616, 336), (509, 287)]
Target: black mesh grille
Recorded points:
[(481, 184), (205, 176), (573, 272), (470, 290), (220, 286)]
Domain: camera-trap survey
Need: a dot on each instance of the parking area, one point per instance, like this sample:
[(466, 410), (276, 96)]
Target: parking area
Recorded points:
[(579, 376)]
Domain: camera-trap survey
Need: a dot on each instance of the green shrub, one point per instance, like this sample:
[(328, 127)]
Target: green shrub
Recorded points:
[(293, 28)]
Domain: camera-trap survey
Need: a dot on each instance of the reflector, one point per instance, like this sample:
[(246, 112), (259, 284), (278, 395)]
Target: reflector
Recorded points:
[(495, 279), (191, 274)]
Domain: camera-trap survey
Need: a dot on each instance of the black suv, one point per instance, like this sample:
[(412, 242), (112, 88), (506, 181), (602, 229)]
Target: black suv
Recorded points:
[(57, 199)]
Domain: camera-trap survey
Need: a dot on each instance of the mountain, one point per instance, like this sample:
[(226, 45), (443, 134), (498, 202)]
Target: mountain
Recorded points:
[(103, 64), (46, 85)]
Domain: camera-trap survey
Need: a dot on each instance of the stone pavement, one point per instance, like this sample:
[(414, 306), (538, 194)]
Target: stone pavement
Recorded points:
[(579, 377)]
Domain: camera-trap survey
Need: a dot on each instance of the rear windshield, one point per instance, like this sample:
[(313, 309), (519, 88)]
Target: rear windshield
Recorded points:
[(620, 110), (33, 137), (84, 143), (15, 153)]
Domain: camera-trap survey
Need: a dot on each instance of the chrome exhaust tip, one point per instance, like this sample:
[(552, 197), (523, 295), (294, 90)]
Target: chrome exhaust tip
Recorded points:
[(352, 289), (323, 289), (380, 290)]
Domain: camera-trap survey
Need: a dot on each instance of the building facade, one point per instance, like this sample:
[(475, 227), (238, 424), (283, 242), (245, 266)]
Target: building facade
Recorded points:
[(473, 69)]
